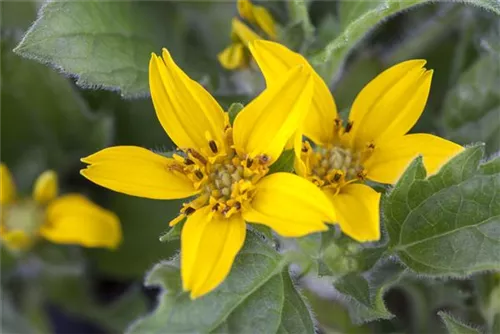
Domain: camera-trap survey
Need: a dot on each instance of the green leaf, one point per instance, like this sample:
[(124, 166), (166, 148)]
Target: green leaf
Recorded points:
[(491, 167), (103, 44), (455, 326), (472, 106), (174, 233), (257, 296), (365, 294), (234, 110), (45, 122), (449, 223), (284, 162), (357, 18)]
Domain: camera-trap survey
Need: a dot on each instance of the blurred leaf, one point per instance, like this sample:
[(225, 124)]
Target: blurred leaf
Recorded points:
[(103, 44), (11, 321), (299, 17), (284, 162), (257, 297), (472, 107), (143, 220), (17, 15), (448, 224), (454, 326), (357, 18), (73, 294), (332, 317), (347, 257), (41, 111), (334, 256), (365, 294)]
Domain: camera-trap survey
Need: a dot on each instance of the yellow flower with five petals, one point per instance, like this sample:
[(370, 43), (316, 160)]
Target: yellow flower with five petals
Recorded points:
[(225, 167), (67, 219), (236, 55), (372, 145)]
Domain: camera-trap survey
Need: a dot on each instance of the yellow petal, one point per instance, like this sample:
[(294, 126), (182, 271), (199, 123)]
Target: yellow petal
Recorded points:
[(357, 209), (389, 105), (266, 124), (73, 219), (16, 240), (274, 60), (187, 112), (265, 21), (8, 188), (245, 9), (138, 172), (243, 32), (46, 187), (290, 205), (390, 160), (209, 244), (233, 57)]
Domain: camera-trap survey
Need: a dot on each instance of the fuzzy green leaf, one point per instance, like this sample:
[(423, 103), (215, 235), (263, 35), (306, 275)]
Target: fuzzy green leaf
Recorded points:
[(455, 326), (449, 223), (257, 297), (365, 294), (104, 44), (357, 18)]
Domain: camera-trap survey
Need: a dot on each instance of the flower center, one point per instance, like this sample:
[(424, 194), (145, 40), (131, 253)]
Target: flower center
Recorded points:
[(226, 180), (334, 166), (20, 224)]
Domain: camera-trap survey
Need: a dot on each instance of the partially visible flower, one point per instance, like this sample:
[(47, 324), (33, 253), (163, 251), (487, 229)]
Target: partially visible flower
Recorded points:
[(372, 145), (67, 219), (236, 55), (225, 167)]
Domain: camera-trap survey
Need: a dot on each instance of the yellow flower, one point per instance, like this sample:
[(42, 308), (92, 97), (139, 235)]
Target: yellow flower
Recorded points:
[(225, 167), (372, 145), (68, 219), (236, 55)]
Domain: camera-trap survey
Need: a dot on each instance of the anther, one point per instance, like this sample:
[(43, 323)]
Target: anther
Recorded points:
[(361, 175), (213, 146), (188, 161), (198, 174), (176, 167), (304, 149), (264, 159), (348, 127), (237, 205), (189, 210), (197, 156), (337, 176), (371, 146), (338, 122), (249, 162), (215, 207)]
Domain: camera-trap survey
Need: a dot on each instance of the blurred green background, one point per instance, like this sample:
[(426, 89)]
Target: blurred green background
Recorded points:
[(51, 120)]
